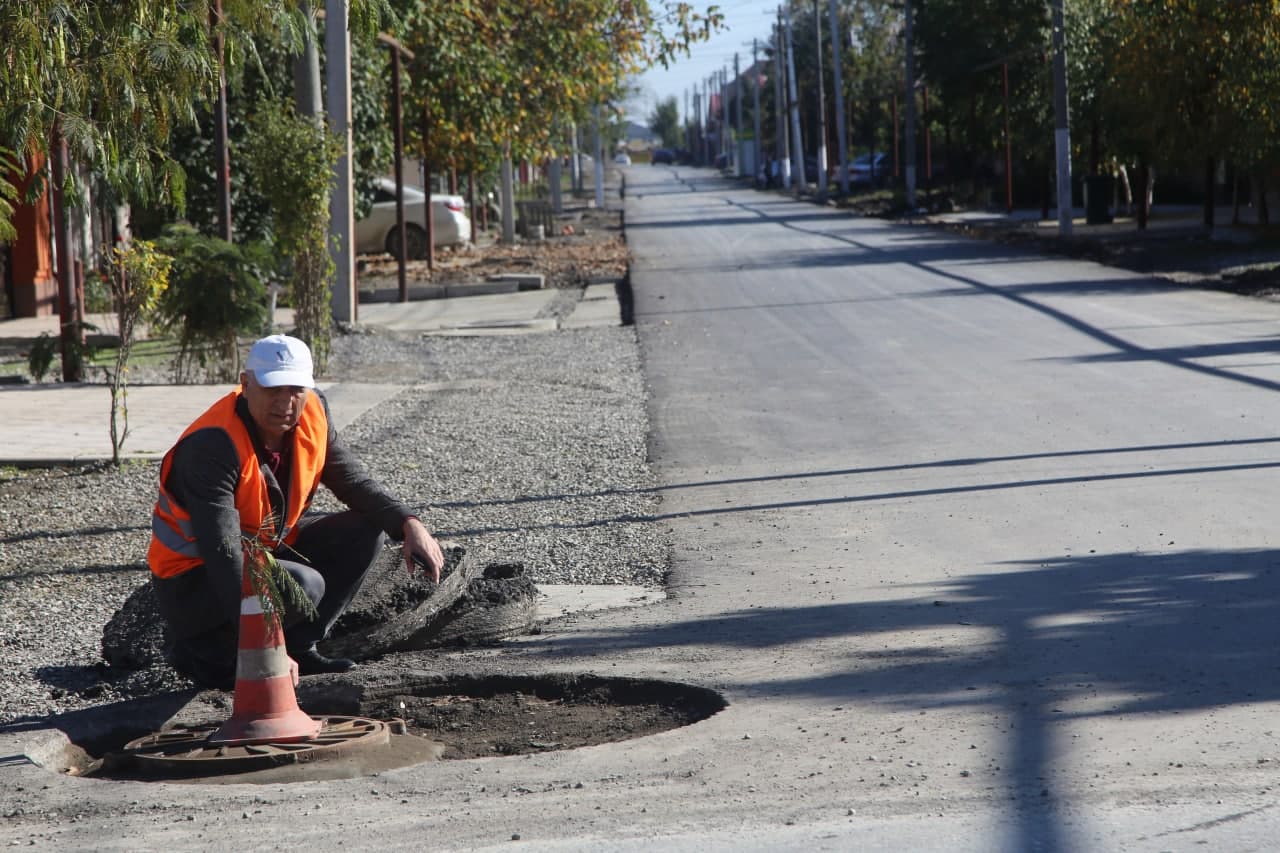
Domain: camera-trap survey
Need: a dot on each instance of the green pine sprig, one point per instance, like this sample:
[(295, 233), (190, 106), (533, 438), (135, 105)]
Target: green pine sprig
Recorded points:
[(271, 582)]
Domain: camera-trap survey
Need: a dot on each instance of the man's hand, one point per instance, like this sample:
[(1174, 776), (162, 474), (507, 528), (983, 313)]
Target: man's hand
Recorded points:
[(417, 541)]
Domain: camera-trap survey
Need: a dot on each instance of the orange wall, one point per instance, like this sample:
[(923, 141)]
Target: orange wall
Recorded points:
[(35, 290)]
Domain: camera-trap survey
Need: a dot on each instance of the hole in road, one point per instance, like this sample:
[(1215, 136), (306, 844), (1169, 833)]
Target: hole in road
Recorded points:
[(490, 716), (444, 717)]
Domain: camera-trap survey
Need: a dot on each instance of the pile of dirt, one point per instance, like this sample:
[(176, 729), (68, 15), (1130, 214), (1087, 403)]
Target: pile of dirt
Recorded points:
[(471, 605), (393, 611)]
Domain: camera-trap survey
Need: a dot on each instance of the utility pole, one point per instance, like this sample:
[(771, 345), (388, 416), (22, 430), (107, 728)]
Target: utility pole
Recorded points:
[(755, 113), (797, 148), (695, 128), (337, 42), (706, 143), (1062, 130), (782, 152), (724, 114), (822, 107), (842, 146), (909, 142), (688, 127), (737, 102)]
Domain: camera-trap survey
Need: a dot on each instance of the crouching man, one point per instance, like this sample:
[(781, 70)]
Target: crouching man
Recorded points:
[(248, 468)]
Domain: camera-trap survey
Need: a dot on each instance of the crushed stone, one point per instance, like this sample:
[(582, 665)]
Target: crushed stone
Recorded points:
[(526, 449)]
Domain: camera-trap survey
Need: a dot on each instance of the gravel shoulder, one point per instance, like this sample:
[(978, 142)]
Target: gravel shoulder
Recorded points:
[(526, 449)]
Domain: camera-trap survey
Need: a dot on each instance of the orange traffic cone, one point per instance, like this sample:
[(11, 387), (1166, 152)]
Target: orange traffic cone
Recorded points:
[(265, 708)]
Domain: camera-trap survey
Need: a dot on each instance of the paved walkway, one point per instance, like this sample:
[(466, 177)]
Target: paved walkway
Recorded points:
[(55, 423)]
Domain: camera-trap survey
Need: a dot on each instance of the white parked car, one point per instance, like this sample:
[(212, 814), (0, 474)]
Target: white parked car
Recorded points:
[(622, 158), (377, 232)]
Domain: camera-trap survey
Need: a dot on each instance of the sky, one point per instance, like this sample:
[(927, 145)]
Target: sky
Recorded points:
[(743, 20)]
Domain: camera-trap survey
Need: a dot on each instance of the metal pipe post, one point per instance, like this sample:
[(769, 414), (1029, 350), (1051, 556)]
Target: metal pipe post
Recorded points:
[(397, 136)]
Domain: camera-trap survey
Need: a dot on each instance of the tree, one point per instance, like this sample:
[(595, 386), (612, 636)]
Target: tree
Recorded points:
[(1193, 81), (117, 78), (965, 49), (498, 76), (269, 75), (138, 275), (665, 122)]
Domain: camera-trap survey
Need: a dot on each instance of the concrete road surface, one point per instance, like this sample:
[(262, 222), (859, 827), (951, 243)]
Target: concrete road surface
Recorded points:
[(979, 546)]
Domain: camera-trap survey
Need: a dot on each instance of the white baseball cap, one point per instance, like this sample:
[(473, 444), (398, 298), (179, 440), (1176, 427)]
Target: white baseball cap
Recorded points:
[(280, 360)]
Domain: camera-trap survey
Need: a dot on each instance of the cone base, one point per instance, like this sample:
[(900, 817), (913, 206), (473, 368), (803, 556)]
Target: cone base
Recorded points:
[(281, 727)]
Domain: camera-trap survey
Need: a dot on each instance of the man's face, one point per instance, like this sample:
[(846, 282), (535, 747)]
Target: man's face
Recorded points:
[(274, 410)]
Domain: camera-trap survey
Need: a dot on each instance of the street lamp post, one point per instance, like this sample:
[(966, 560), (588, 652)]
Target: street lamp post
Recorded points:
[(1062, 129)]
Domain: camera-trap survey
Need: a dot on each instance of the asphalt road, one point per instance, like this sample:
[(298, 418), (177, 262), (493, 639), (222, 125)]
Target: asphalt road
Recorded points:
[(984, 538), (977, 544)]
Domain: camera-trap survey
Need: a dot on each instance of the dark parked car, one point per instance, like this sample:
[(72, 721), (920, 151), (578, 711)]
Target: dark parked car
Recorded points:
[(663, 155), (866, 172)]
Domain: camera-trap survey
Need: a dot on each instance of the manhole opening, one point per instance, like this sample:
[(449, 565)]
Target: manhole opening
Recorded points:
[(444, 717), (490, 716)]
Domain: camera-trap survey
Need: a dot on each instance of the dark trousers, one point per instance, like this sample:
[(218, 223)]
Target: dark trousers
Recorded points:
[(330, 559)]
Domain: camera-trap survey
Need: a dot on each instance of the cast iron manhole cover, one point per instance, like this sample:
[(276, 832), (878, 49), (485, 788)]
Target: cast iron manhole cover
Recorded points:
[(187, 751)]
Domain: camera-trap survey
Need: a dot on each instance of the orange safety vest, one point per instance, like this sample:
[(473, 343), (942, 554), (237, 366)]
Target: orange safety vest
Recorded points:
[(173, 545)]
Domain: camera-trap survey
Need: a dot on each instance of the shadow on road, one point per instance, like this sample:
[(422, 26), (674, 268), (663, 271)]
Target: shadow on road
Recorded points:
[(1070, 638)]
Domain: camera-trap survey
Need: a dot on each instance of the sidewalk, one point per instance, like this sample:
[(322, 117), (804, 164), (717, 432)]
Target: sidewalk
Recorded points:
[(1166, 221), (52, 423)]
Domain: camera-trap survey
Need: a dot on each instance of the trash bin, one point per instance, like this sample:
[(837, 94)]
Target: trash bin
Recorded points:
[(1098, 190)]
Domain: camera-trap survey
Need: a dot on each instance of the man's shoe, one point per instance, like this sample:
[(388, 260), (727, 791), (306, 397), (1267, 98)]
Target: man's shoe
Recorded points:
[(311, 662)]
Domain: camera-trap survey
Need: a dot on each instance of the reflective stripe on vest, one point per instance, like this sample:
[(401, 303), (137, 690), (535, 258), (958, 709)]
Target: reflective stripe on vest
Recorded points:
[(173, 545)]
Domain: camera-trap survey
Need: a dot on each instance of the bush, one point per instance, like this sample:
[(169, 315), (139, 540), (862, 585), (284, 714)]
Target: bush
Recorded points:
[(46, 347), (216, 293), (40, 358), (97, 293)]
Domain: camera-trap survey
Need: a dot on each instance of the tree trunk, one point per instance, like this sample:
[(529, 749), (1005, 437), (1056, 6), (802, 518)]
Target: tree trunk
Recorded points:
[(1095, 148), (1235, 195), (1046, 190), (1144, 177), (1264, 214), (1209, 187)]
